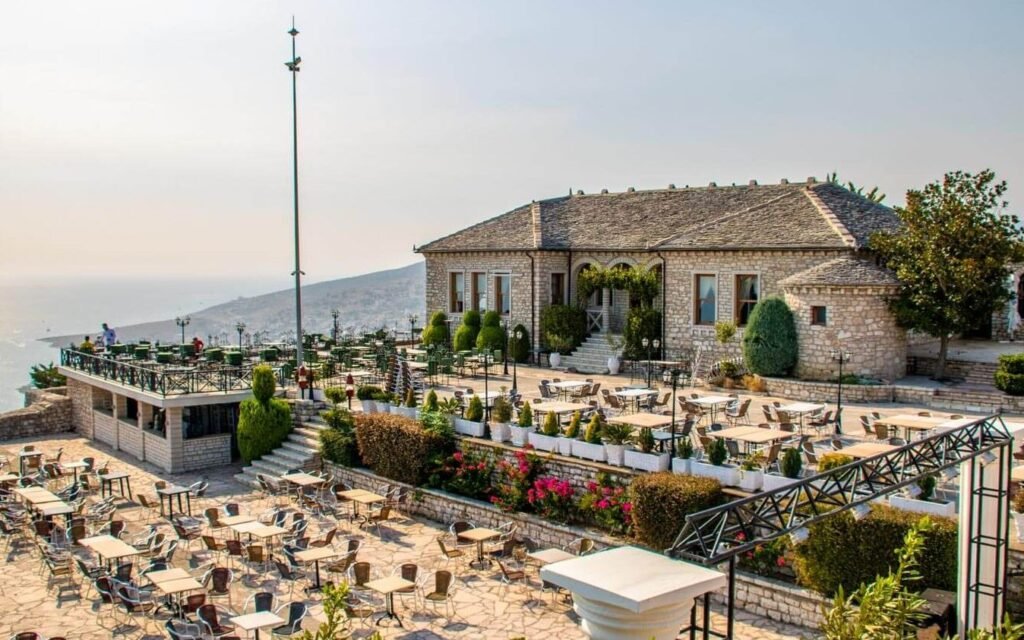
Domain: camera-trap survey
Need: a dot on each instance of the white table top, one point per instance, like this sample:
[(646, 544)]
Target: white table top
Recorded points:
[(258, 620), (239, 519), (712, 400), (303, 479), (316, 553), (568, 384), (559, 407), (549, 556), (480, 534), (109, 547), (389, 585), (635, 393), (641, 420), (801, 407)]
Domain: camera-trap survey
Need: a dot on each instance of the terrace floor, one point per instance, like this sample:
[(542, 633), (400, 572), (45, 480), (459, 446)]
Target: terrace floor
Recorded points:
[(485, 607)]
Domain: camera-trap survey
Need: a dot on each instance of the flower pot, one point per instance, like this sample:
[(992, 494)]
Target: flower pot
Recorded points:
[(369, 406), (408, 412), (681, 466), (944, 509), (727, 475), (555, 359), (383, 407), (519, 435), (588, 451), (751, 480), (614, 453), (469, 428), (770, 481), (565, 446), (500, 432), (653, 462), (1018, 519), (542, 442), (613, 365)]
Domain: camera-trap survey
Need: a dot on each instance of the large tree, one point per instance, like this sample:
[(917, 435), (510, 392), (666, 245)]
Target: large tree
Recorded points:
[(952, 255)]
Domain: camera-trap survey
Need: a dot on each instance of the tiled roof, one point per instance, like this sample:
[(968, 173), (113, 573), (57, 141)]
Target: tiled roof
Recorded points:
[(780, 216), (845, 271)]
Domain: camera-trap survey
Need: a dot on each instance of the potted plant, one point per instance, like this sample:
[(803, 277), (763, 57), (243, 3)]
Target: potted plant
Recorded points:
[(383, 400), (1017, 510), (684, 456), (752, 471), (645, 458), (557, 344), (590, 447), (501, 415), (925, 502), (471, 424), (409, 409), (430, 401), (614, 360), (366, 394), (616, 437), (791, 466), (547, 438), (520, 432), (571, 433), (715, 467)]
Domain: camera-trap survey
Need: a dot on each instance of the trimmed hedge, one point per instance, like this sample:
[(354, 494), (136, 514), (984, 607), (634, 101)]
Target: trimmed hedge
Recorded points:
[(769, 341), (263, 420), (437, 331), (465, 335), (491, 335), (843, 552), (565, 321), (519, 350), (661, 502), (642, 323), (397, 447), (1009, 377)]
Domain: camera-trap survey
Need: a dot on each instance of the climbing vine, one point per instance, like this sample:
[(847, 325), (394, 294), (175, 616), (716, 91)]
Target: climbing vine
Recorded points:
[(641, 283)]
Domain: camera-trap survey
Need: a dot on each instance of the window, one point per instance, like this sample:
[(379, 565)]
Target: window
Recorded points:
[(747, 293), (503, 294), (819, 316), (479, 284), (705, 300), (456, 293), (131, 409), (557, 288), (208, 420)]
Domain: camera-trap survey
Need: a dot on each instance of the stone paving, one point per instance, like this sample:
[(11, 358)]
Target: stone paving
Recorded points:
[(485, 607)]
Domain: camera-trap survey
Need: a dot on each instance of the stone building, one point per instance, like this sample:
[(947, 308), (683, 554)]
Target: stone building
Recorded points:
[(717, 251)]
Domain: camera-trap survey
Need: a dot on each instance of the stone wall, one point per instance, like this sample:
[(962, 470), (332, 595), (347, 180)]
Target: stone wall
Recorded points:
[(305, 410), (778, 601), (47, 411), (1001, 318), (81, 407), (204, 453), (826, 392), (104, 427), (129, 439), (158, 451)]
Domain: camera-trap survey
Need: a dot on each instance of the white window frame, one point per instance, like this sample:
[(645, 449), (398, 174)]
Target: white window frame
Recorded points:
[(735, 292)]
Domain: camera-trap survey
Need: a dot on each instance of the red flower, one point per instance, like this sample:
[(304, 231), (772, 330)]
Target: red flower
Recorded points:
[(780, 561)]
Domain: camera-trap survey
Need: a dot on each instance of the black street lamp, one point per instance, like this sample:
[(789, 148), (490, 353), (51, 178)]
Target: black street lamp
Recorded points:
[(293, 67), (842, 357), (334, 314), (504, 352), (240, 328), (183, 322), (486, 355), (673, 377), (515, 390), (412, 328), (649, 344)]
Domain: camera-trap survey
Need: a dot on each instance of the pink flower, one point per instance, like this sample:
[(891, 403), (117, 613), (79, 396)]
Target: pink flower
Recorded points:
[(627, 507), (602, 504), (458, 456), (780, 561), (591, 486)]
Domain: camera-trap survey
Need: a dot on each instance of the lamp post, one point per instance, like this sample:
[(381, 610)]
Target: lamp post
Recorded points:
[(240, 328), (334, 314), (673, 377), (515, 391), (293, 67), (504, 352), (183, 322), (648, 345), (485, 353), (412, 328), (842, 357)]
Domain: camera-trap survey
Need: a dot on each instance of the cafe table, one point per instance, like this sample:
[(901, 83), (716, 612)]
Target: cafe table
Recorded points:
[(169, 492), (27, 455), (801, 409), (641, 420), (634, 395), (365, 498), (559, 407), (241, 518), (36, 495), (567, 386), (49, 509), (911, 422), (172, 583), (712, 402), (107, 483), (315, 555), (549, 556), (479, 535), (257, 621), (866, 449), (109, 548), (303, 479), (388, 587), (75, 466)]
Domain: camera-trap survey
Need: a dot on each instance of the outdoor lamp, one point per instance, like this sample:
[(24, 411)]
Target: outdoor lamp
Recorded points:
[(350, 389), (644, 342)]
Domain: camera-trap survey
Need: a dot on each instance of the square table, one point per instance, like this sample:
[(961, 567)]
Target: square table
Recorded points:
[(75, 466), (567, 386), (109, 548), (479, 535), (50, 509), (549, 556), (641, 420), (107, 483), (634, 395), (761, 436), (367, 498), (315, 555), (257, 621), (169, 493), (388, 587), (911, 422), (866, 449), (9, 477), (302, 479), (713, 403), (559, 407), (733, 433), (172, 583), (239, 519), (36, 495), (800, 409)]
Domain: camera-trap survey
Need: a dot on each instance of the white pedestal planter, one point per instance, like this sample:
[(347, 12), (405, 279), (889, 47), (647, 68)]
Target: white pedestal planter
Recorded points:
[(681, 466), (369, 406), (653, 462), (520, 435), (500, 432), (751, 480), (613, 365), (728, 476), (614, 453), (945, 509), (588, 451), (542, 442), (565, 446), (770, 481), (469, 428), (555, 359)]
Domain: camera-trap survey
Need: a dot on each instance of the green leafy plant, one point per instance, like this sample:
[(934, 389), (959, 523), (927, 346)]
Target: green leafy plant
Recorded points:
[(491, 335), (873, 195), (927, 484), (1009, 375), (430, 402), (661, 502), (46, 376), (439, 424), (515, 478), (397, 447), (501, 411), (769, 341), (263, 420), (606, 504), (449, 406), (594, 429), (685, 449), (641, 322), (338, 443), (367, 392), (725, 331), (336, 395), (335, 621), (832, 460), (765, 559), (475, 409), (646, 440), (792, 463), (519, 349), (551, 427), (573, 430), (464, 473), (717, 453), (754, 461), (566, 322), (436, 332), (616, 433), (526, 415), (410, 398), (465, 335)]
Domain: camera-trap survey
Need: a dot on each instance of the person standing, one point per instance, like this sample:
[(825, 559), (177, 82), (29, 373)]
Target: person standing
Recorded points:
[(109, 336)]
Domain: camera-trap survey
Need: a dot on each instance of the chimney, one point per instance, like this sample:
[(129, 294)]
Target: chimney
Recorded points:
[(535, 218)]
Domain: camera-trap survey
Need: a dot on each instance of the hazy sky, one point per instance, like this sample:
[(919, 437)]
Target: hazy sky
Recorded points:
[(152, 138)]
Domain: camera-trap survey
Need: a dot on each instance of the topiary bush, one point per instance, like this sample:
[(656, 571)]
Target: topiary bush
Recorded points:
[(501, 411), (397, 447), (491, 335), (338, 443), (526, 416), (465, 335), (567, 322), (843, 552), (717, 452), (551, 427), (595, 428), (436, 332), (661, 502), (475, 409), (573, 430), (263, 420), (792, 463), (519, 350), (1009, 376), (430, 402), (769, 341)]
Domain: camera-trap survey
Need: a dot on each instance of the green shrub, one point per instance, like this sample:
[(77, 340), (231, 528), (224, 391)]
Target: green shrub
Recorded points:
[(551, 424), (475, 410), (717, 453), (465, 335), (843, 552), (430, 403), (46, 376), (1010, 383), (573, 430), (410, 398), (685, 449), (526, 415), (646, 440), (338, 442), (724, 331), (501, 411), (439, 424), (641, 322), (594, 430), (519, 350), (491, 335), (792, 463), (397, 447), (367, 392), (263, 383), (927, 484), (262, 427), (567, 322), (436, 332), (661, 502), (831, 460), (336, 395), (1012, 363), (617, 433), (769, 341)]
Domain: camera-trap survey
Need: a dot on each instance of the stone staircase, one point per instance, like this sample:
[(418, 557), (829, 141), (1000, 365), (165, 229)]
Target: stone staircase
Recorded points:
[(591, 356), (981, 374), (301, 450)]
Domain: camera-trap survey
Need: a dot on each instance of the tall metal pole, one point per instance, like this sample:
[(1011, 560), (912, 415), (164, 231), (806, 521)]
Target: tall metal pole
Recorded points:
[(293, 66)]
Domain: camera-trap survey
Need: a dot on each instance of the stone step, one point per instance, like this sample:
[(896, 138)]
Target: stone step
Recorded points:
[(289, 457), (299, 447), (269, 467)]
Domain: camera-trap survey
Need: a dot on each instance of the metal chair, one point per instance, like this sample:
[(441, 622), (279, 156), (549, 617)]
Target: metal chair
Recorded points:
[(209, 617), (296, 612), (443, 591)]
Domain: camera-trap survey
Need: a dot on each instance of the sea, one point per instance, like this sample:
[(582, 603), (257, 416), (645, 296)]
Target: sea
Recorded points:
[(30, 312)]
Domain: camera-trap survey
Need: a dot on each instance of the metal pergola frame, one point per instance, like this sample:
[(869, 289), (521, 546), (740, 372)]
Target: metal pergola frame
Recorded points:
[(720, 534)]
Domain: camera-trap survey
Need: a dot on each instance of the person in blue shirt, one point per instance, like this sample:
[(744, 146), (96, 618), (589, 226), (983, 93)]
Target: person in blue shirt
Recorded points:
[(109, 337)]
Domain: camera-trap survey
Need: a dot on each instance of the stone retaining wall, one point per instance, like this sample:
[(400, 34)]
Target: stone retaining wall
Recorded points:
[(204, 453), (46, 411), (826, 392), (778, 601), (104, 428)]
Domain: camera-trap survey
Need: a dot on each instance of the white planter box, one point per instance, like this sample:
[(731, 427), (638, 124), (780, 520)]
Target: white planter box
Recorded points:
[(408, 412), (520, 435), (728, 476), (588, 451), (469, 428), (653, 462), (369, 406), (751, 480), (500, 432), (681, 466), (542, 442), (770, 481), (614, 453), (565, 446), (383, 407), (945, 509)]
